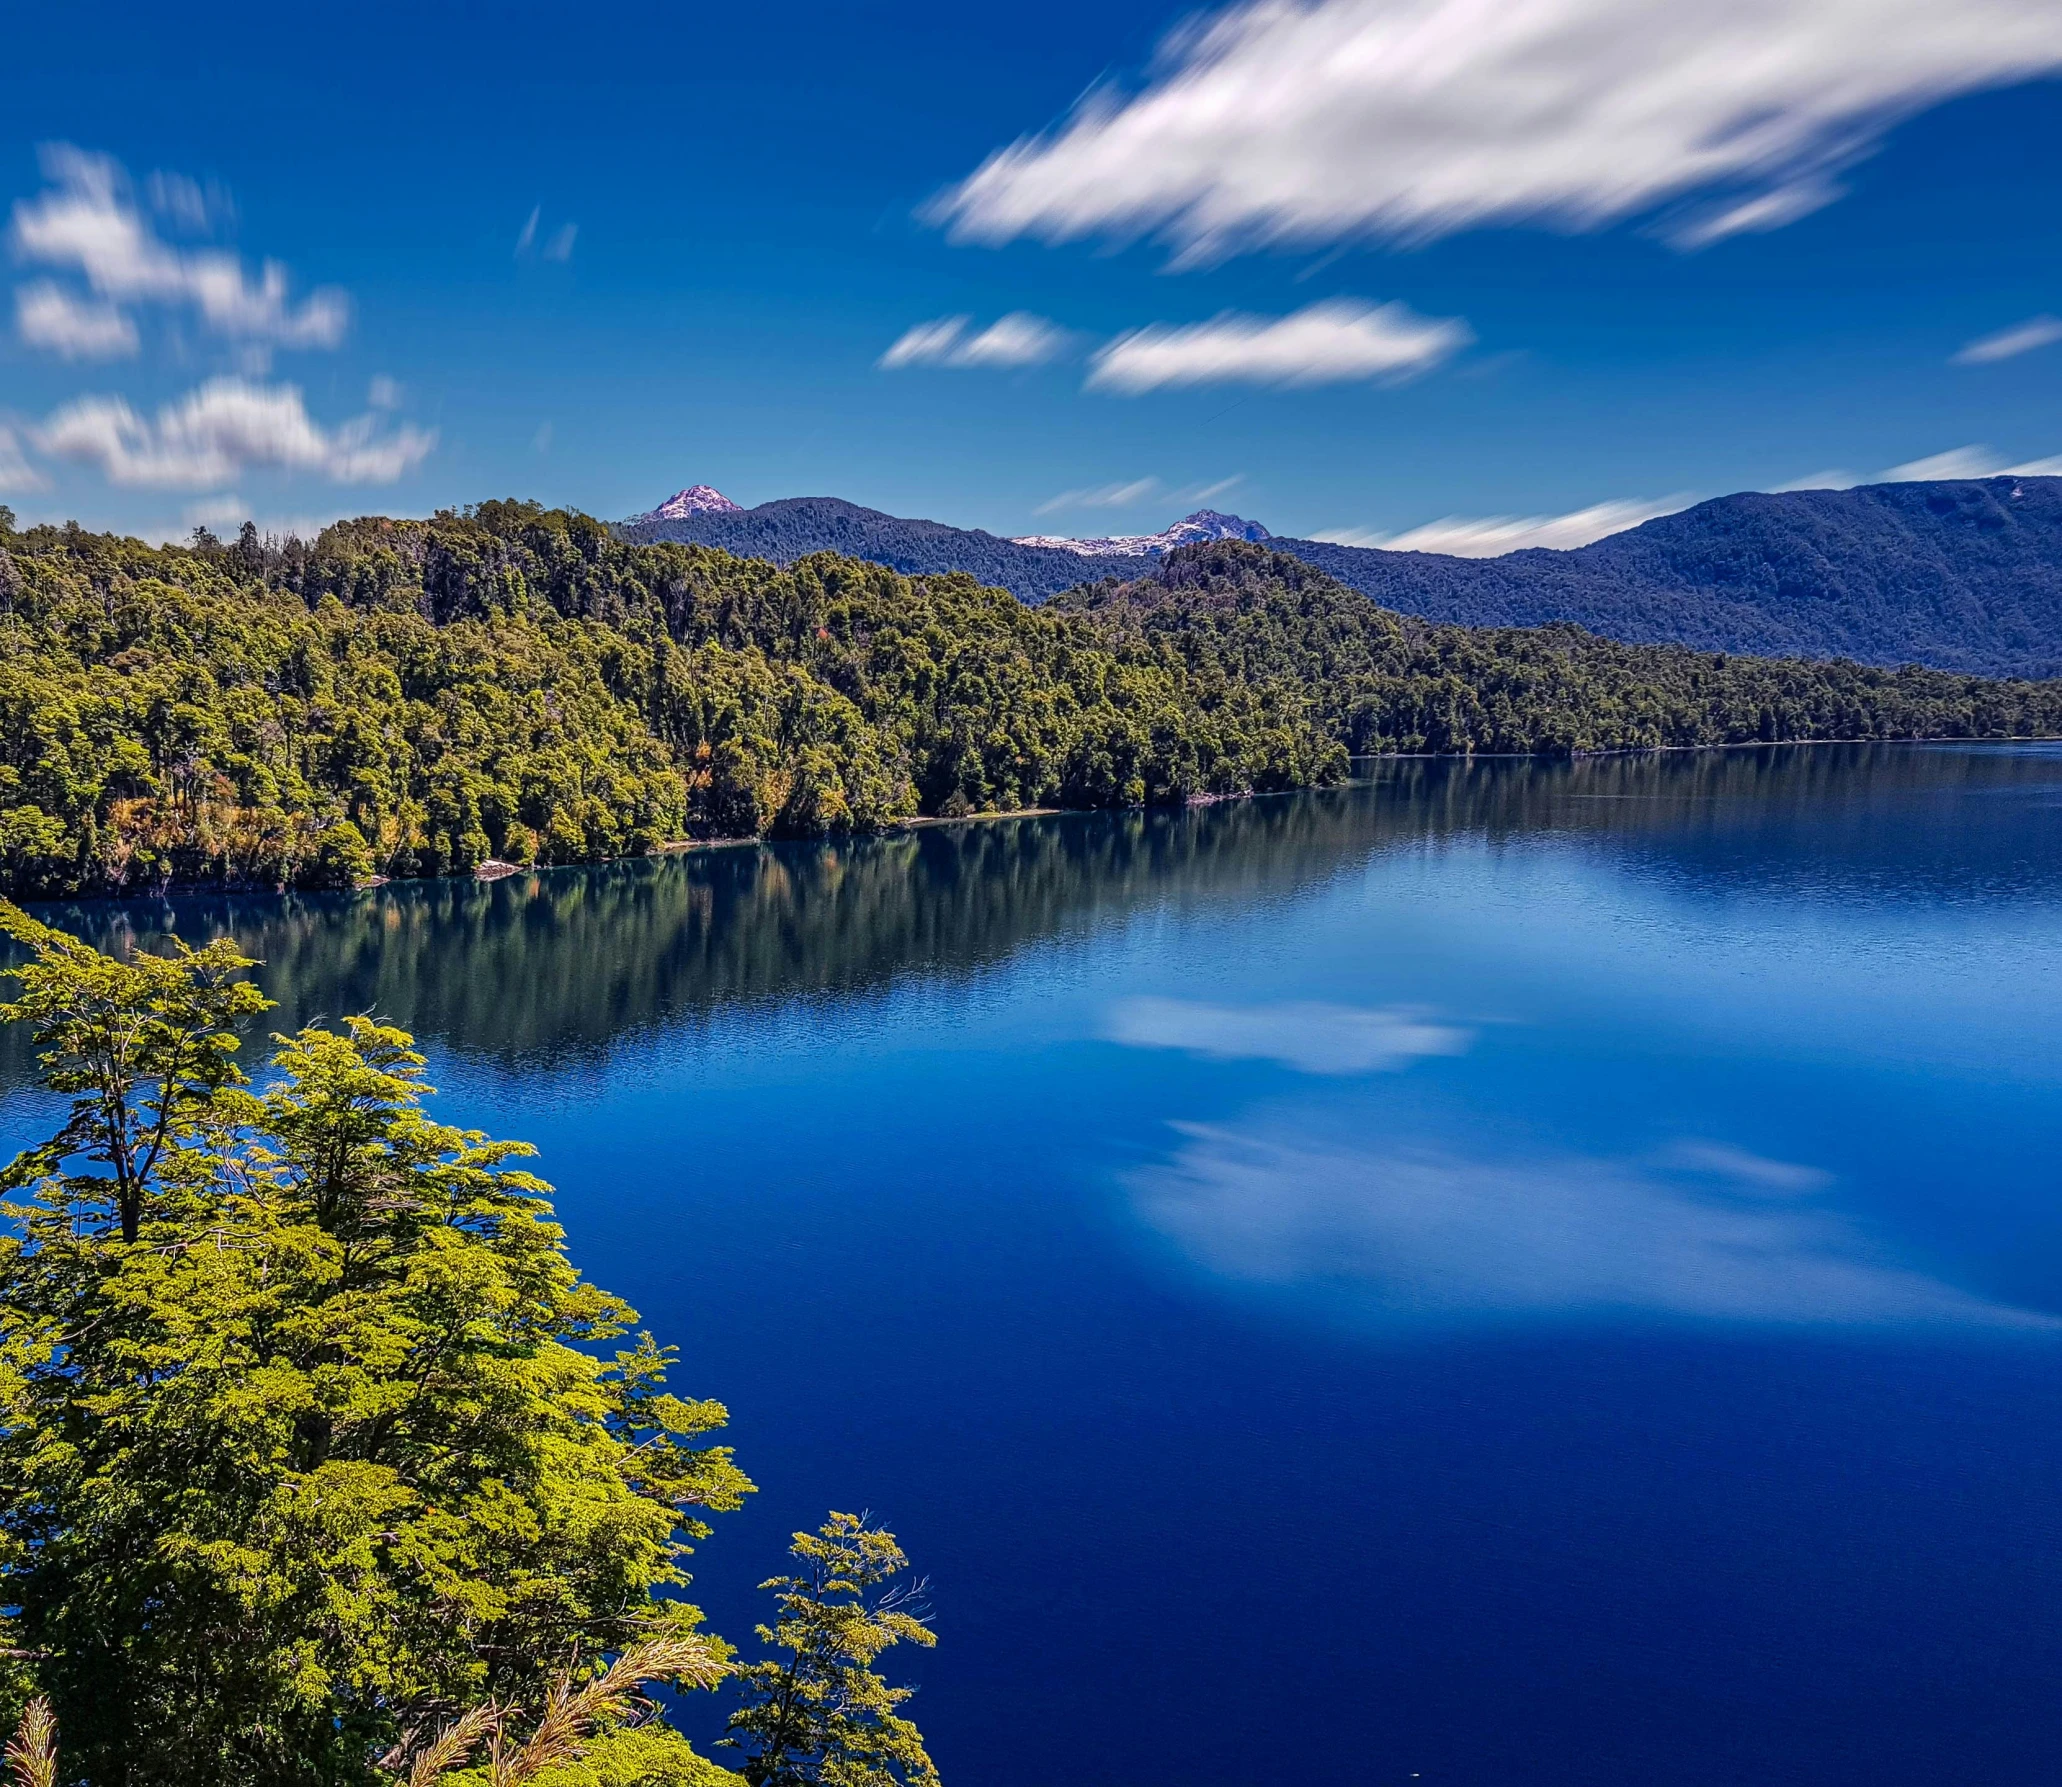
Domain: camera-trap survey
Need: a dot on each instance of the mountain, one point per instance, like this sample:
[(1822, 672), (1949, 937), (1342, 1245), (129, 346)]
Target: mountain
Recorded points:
[(1204, 524), (685, 505), (1962, 575), (796, 526)]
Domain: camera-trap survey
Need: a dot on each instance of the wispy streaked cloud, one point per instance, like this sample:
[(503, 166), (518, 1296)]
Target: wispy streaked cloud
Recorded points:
[(384, 393), (560, 247), (2007, 344), (1130, 493), (87, 222), (1309, 122), (1102, 496), (1491, 536), (218, 430), (1309, 1036), (1701, 1232), (1339, 341), (1019, 339), (74, 328), (1832, 478), (16, 473), (1968, 462)]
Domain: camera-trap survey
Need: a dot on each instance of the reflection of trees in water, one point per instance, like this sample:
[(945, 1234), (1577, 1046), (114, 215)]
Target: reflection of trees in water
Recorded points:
[(541, 966)]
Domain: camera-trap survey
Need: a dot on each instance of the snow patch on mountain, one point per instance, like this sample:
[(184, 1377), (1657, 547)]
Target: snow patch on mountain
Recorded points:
[(1204, 524), (697, 499)]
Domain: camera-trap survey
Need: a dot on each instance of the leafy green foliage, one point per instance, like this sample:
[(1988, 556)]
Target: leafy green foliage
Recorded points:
[(413, 697), (416, 697), (1381, 682), (321, 1446), (817, 1714), (144, 1047)]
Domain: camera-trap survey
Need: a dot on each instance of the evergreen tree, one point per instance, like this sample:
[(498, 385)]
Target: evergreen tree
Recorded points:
[(817, 1714)]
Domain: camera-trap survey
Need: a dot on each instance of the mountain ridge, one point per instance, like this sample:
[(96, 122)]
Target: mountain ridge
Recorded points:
[(1962, 574), (1203, 524)]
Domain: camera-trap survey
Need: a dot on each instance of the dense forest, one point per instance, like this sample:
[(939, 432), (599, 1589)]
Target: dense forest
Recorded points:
[(417, 697), (1380, 681), (795, 527)]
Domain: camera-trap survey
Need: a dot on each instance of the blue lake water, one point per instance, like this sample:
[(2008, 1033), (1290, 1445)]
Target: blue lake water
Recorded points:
[(1506, 1273)]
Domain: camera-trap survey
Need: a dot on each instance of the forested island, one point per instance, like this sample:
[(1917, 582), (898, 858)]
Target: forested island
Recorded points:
[(418, 697)]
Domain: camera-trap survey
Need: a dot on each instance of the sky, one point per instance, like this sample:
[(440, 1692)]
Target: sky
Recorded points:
[(1461, 274)]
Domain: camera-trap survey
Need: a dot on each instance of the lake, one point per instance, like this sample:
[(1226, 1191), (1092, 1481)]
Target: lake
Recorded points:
[(1506, 1273)]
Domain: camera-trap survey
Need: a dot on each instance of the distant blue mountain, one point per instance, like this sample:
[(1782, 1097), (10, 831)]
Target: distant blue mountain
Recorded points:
[(1963, 575), (799, 525)]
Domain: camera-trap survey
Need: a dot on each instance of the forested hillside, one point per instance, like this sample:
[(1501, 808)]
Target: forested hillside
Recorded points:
[(416, 697), (796, 526), (1379, 681), (1965, 575)]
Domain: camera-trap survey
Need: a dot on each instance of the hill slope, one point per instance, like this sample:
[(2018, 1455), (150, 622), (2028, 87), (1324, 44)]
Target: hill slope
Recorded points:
[(413, 697), (1379, 681), (796, 526), (1962, 576)]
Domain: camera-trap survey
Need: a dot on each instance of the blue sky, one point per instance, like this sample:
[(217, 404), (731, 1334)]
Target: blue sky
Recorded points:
[(1353, 266)]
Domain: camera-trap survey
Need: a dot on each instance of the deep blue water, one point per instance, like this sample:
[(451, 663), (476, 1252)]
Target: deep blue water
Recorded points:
[(1511, 1273)]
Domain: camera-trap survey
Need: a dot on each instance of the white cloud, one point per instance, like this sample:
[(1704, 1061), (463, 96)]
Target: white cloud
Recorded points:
[(1956, 462), (1019, 339), (560, 247), (88, 223), (187, 203), (48, 316), (16, 473), (1832, 478), (215, 432), (1102, 496), (2021, 338), (1492, 536), (529, 230), (1334, 342), (1306, 1035), (1968, 462), (384, 393), (1303, 122), (1704, 1232)]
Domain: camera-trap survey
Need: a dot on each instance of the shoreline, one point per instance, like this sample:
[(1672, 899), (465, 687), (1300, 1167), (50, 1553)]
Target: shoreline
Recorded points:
[(688, 846)]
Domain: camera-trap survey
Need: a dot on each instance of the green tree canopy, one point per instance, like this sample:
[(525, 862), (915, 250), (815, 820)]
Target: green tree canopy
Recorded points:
[(816, 1713), (328, 1442)]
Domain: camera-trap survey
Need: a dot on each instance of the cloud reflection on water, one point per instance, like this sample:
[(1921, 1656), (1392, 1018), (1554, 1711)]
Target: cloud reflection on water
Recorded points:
[(1426, 1234), (1307, 1035)]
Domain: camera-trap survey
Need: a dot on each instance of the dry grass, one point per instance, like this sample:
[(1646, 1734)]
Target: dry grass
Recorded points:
[(569, 1718), (32, 1756)]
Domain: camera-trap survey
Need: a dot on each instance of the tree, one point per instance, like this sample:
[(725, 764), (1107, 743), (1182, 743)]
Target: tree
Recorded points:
[(318, 1442), (817, 1714), (144, 1046)]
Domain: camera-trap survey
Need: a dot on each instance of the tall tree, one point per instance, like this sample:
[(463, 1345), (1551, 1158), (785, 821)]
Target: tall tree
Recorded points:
[(145, 1046), (817, 1714), (321, 1439)]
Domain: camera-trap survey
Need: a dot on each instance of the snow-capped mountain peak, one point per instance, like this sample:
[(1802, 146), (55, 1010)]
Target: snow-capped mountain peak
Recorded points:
[(1204, 524), (697, 499)]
